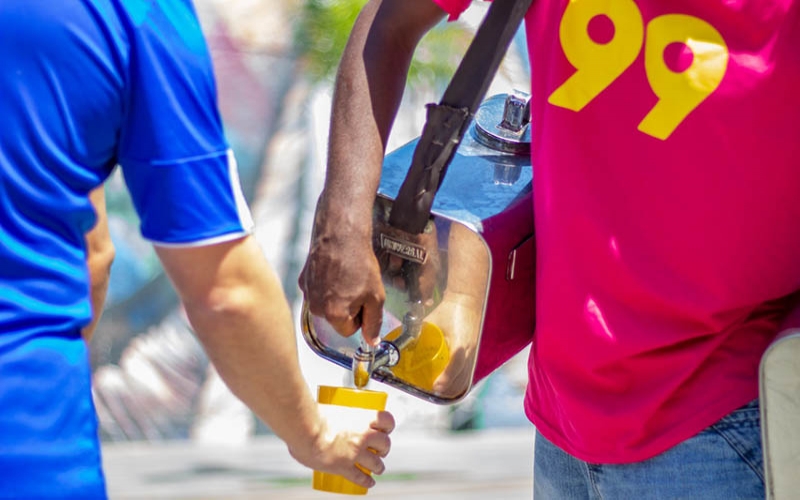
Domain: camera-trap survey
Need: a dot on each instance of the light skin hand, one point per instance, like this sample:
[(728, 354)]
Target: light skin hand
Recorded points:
[(337, 438), (341, 279), (237, 309)]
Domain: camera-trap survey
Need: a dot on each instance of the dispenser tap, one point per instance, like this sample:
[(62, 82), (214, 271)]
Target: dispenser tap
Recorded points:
[(367, 359)]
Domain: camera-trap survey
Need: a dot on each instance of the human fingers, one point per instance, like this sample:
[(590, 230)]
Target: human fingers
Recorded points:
[(378, 442), (320, 298), (370, 461), (384, 422), (372, 317), (357, 474), (345, 319)]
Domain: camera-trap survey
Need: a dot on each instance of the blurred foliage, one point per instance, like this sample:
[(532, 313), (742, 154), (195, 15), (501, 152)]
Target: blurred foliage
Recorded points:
[(323, 27)]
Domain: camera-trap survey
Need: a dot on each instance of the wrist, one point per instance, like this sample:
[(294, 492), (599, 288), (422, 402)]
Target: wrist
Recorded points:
[(337, 220), (308, 442)]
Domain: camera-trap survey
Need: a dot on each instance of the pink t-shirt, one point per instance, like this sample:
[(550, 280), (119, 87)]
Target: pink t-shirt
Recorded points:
[(667, 207)]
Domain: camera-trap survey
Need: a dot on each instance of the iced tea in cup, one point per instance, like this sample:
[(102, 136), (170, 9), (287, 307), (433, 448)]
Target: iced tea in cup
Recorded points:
[(340, 403)]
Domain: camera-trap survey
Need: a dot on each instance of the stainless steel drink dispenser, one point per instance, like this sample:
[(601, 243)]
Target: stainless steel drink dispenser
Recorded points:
[(480, 258)]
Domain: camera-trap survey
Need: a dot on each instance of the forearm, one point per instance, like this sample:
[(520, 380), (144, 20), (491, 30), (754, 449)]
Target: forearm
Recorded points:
[(341, 279), (369, 89), (236, 306), (99, 256), (98, 290), (239, 313), (253, 348)]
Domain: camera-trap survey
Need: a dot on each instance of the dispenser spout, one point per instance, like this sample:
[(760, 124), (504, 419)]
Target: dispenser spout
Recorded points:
[(367, 359)]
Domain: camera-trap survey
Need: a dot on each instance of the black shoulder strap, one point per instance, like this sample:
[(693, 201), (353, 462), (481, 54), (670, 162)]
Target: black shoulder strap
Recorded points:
[(447, 121)]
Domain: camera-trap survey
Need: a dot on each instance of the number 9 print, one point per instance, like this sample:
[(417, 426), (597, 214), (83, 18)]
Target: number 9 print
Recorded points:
[(599, 63)]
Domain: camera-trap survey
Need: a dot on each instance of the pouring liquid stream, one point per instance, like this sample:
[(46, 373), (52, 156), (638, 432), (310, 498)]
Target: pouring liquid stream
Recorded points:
[(362, 360)]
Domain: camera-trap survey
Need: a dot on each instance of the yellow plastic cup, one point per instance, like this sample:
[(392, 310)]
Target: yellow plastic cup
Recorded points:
[(422, 361), (353, 398)]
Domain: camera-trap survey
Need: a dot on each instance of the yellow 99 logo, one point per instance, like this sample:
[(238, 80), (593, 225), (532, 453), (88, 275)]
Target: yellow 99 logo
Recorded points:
[(669, 42)]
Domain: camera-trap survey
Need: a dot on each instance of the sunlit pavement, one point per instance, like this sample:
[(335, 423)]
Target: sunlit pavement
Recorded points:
[(488, 464)]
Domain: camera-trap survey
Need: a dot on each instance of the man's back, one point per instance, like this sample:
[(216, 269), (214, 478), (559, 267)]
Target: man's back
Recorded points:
[(61, 86), (86, 85)]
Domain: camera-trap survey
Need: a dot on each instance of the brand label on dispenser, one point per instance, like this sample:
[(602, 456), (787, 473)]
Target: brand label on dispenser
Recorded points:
[(406, 250)]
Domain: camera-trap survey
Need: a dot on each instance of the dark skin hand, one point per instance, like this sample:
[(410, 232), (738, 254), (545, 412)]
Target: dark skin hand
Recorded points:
[(341, 279), (344, 286)]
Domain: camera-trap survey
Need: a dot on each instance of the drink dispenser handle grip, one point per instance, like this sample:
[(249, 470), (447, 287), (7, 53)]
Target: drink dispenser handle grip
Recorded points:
[(447, 121)]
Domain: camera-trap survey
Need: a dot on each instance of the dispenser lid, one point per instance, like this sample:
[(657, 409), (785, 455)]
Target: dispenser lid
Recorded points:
[(502, 123)]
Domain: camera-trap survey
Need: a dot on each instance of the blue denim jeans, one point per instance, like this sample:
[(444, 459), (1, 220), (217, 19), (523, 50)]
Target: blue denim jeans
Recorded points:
[(723, 461)]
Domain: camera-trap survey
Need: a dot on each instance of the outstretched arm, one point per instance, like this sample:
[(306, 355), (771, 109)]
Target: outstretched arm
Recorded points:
[(341, 279), (236, 306)]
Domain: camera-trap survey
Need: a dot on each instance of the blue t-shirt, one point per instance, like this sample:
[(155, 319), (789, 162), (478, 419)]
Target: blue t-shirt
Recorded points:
[(86, 85)]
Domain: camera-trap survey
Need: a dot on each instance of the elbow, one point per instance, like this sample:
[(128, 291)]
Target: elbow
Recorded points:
[(106, 257), (100, 262), (220, 309)]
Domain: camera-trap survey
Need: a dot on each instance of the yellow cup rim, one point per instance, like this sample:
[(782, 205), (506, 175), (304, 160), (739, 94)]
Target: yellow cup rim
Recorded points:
[(354, 398)]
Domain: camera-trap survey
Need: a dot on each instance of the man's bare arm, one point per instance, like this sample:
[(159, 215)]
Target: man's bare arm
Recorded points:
[(236, 306), (341, 279), (99, 256)]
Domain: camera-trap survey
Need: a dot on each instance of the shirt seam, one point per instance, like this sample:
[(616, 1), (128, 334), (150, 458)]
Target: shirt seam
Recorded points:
[(177, 161)]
